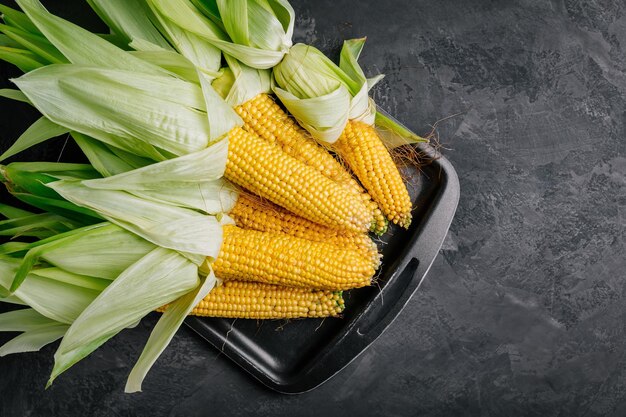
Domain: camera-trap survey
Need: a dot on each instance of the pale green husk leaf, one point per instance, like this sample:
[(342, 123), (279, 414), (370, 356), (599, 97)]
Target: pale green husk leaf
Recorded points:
[(222, 118), (25, 60), (63, 276), (205, 165), (202, 54), (314, 89), (103, 252), (33, 340), (80, 46), (190, 181), (40, 131), (393, 134), (132, 111), (210, 197), (51, 298), (160, 223), (43, 49), (18, 19), (23, 320), (100, 156), (16, 95), (184, 14), (11, 212), (11, 299), (131, 19), (157, 279), (171, 61), (41, 225), (262, 24), (164, 331), (240, 83)]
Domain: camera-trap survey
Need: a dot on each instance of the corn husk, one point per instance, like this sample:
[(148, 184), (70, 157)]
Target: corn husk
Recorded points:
[(16, 95), (202, 54), (239, 83), (104, 252), (165, 329), (158, 278), (321, 95), (262, 29), (40, 131), (17, 19), (44, 294), (37, 331), (23, 223), (130, 19), (79, 46), (148, 115)]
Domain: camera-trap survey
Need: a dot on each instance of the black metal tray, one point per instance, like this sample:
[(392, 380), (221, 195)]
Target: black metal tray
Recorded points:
[(299, 355)]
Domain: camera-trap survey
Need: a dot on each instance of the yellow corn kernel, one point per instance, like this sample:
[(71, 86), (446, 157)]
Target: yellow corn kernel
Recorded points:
[(254, 300), (362, 149), (252, 212), (277, 258), (266, 170), (264, 117)]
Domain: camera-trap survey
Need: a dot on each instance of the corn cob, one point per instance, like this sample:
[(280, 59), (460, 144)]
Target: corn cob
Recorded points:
[(276, 258), (266, 170), (252, 212), (362, 149), (264, 117), (254, 300)]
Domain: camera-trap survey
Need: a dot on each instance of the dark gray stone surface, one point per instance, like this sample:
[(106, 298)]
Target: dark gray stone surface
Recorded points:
[(523, 312)]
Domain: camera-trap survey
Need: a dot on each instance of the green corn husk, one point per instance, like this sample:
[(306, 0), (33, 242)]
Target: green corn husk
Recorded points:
[(16, 95), (322, 95), (130, 19), (129, 120), (40, 131), (17, 19), (239, 83), (79, 46), (134, 194), (263, 28), (96, 309), (43, 293), (23, 223), (37, 329), (27, 182)]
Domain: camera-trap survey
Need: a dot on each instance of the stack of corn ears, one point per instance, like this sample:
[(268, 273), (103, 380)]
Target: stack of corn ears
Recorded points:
[(202, 195)]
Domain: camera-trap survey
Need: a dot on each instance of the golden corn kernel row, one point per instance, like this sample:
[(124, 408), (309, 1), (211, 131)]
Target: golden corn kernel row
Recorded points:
[(363, 150), (277, 258), (252, 212), (254, 300), (266, 170), (263, 116)]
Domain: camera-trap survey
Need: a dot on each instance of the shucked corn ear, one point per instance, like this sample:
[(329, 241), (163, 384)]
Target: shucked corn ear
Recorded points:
[(268, 171), (263, 116), (280, 259), (254, 300), (362, 149), (252, 212), (306, 73)]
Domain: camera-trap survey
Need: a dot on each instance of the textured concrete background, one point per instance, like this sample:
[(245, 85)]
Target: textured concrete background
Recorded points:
[(523, 312)]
